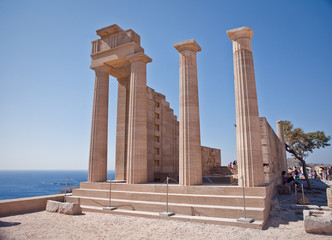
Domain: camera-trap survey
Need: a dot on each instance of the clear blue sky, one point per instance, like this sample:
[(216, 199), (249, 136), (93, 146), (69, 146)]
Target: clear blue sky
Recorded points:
[(46, 85)]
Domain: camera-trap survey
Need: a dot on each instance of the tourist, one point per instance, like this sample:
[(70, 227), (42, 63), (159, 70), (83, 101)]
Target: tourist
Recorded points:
[(320, 172), (324, 173), (286, 178), (296, 173), (230, 165)]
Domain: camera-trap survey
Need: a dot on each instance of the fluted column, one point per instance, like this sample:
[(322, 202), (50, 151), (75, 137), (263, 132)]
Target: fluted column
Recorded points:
[(122, 129), (280, 134), (98, 141), (137, 122), (248, 140), (190, 159)]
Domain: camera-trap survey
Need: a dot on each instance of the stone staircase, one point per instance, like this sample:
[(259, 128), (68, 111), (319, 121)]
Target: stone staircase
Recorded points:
[(221, 175), (204, 203), (223, 170)]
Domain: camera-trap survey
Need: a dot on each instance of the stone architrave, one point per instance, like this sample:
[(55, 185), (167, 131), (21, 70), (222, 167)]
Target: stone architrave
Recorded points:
[(99, 128), (137, 120), (248, 140), (280, 134), (190, 158)]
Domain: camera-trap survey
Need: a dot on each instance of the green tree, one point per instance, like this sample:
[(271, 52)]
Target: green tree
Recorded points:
[(301, 144)]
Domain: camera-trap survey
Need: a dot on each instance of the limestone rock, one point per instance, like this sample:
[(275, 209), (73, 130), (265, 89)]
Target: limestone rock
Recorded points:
[(318, 221), (70, 208), (329, 197), (284, 189), (52, 206)]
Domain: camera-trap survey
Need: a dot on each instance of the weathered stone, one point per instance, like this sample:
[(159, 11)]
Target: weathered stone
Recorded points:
[(329, 197), (137, 121), (99, 126), (284, 189), (280, 133), (52, 206), (300, 199), (190, 158), (318, 221), (248, 139), (70, 208)]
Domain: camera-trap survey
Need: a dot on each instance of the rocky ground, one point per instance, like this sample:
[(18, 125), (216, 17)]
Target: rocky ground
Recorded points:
[(285, 222)]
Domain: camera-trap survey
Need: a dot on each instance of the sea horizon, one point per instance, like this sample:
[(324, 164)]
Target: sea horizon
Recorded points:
[(33, 183)]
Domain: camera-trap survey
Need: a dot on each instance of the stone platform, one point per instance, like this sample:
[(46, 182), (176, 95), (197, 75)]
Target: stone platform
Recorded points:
[(204, 203)]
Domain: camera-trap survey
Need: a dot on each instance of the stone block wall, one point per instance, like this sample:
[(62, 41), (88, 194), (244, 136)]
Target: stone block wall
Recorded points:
[(211, 158), (273, 154), (163, 141), (16, 206), (163, 138)]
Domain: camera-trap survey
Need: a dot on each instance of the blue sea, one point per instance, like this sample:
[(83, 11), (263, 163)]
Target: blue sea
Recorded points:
[(31, 183)]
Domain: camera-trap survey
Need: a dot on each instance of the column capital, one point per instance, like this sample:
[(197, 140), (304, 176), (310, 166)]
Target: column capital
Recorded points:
[(103, 68), (279, 122), (241, 32), (139, 57), (191, 45)]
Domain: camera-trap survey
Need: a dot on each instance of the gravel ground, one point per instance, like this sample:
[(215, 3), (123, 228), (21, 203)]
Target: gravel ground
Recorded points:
[(284, 223), (45, 225)]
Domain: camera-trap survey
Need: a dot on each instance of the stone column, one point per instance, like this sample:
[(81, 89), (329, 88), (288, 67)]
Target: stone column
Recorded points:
[(280, 134), (280, 131), (122, 129), (137, 121), (248, 139), (98, 142), (190, 159)]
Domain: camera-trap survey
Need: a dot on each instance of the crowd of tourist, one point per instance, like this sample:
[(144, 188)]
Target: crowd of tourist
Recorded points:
[(323, 173)]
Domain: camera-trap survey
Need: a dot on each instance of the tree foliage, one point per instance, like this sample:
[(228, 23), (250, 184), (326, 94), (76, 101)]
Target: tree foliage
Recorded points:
[(304, 143), (301, 144)]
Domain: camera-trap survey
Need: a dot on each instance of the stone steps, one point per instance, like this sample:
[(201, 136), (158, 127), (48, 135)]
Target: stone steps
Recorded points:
[(175, 188), (204, 203), (178, 208), (258, 224), (223, 200), (224, 170)]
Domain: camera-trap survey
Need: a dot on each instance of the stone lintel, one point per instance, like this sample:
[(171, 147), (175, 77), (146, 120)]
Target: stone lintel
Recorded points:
[(187, 45), (241, 32), (103, 32), (102, 68), (139, 57)]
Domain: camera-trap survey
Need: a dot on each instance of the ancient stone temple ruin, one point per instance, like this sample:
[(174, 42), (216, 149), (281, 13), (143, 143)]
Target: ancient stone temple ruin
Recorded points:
[(151, 144)]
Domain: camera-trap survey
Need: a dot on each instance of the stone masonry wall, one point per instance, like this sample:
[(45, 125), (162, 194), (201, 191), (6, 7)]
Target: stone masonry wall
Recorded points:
[(210, 158), (163, 141), (272, 153), (163, 138)]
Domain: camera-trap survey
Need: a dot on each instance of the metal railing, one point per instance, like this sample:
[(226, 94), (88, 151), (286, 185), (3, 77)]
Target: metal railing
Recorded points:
[(110, 207), (167, 213)]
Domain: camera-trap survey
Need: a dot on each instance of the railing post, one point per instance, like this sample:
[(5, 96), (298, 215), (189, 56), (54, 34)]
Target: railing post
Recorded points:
[(66, 189), (295, 193), (167, 213), (109, 200), (245, 219)]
